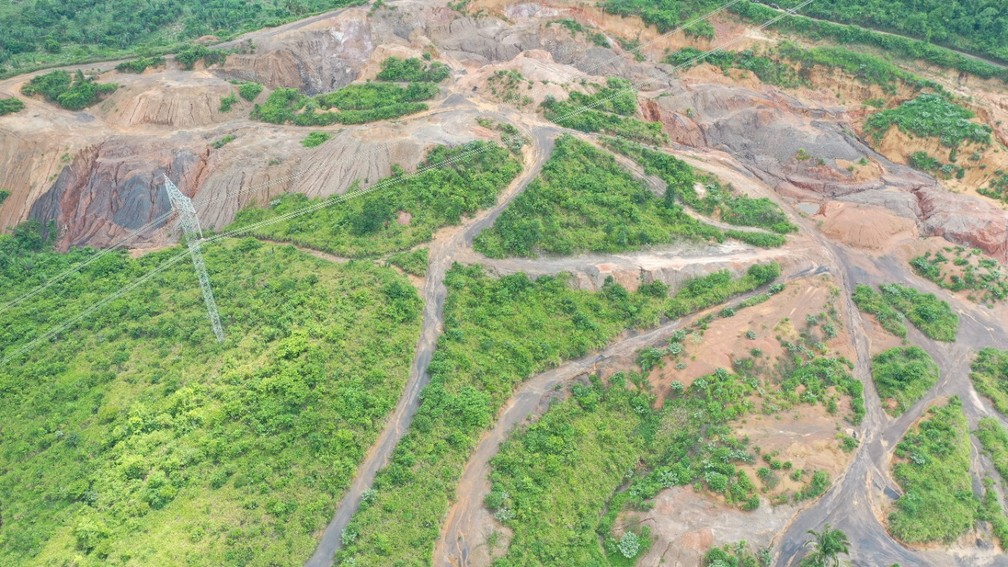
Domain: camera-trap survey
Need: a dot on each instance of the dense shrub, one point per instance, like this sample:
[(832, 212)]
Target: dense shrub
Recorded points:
[(583, 201), (72, 92), (934, 471), (10, 105), (315, 139), (77, 31), (140, 64), (903, 375), (930, 315), (353, 104), (189, 55), (134, 422), (765, 68), (249, 91), (990, 376), (413, 70), (931, 115)]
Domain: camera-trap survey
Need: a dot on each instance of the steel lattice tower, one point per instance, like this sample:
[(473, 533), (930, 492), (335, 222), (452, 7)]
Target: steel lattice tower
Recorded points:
[(189, 223)]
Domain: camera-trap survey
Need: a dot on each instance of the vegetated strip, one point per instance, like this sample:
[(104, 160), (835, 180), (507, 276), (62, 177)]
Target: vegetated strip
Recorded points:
[(938, 504), (896, 302), (989, 374), (498, 332)]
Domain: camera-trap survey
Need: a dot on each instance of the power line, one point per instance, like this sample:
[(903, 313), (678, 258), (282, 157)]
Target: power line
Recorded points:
[(377, 186)]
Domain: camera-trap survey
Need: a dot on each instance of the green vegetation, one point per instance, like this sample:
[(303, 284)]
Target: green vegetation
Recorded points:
[(413, 70), (930, 315), (467, 178), (561, 483), (872, 302), (717, 200), (561, 471), (506, 84), (924, 162), (3, 195), (575, 27), (353, 104), (927, 22), (998, 188), (249, 91), (609, 109), (903, 375), (72, 92), (978, 26), (994, 440), (189, 55), (223, 141), (413, 262), (227, 102), (737, 555), (140, 64), (990, 376), (931, 115), (937, 502), (316, 139), (497, 333), (10, 105), (77, 31), (767, 69), (969, 270), (136, 427), (866, 68), (584, 201), (827, 546)]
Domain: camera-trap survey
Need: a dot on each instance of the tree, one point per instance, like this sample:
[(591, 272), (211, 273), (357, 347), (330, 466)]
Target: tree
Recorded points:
[(827, 546)]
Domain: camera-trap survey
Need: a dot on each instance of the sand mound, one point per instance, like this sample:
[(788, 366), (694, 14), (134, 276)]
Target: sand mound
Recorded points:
[(863, 226), (168, 102)]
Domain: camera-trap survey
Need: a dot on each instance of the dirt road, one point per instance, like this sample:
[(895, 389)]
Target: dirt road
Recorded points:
[(443, 251)]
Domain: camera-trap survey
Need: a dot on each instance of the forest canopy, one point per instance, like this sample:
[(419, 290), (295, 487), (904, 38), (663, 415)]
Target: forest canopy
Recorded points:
[(45, 32)]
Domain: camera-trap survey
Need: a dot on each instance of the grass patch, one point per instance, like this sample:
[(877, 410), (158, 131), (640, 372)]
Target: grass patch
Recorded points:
[(467, 178), (10, 105), (902, 376), (72, 92), (990, 376), (136, 423), (61, 34), (316, 139), (964, 270), (609, 110), (931, 115), (584, 201), (994, 440), (937, 504), (497, 333), (897, 303)]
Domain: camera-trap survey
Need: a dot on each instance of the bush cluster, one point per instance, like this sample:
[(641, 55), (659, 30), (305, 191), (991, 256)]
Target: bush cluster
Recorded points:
[(72, 92)]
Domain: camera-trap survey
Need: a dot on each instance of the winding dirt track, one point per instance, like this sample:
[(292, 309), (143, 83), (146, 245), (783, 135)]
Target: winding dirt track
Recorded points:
[(443, 252)]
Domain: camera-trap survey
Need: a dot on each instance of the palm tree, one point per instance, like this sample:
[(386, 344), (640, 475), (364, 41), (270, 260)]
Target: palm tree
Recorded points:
[(827, 546)]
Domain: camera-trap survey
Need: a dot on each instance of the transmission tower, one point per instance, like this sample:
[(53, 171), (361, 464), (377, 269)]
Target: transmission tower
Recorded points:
[(190, 226)]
